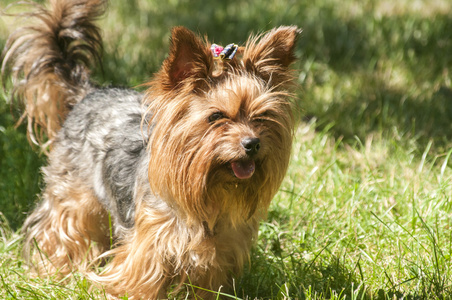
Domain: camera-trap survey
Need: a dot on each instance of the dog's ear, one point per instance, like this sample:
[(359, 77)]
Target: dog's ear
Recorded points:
[(189, 58), (271, 56)]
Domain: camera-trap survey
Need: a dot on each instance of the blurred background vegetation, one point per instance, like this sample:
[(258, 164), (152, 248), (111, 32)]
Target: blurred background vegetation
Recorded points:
[(367, 68)]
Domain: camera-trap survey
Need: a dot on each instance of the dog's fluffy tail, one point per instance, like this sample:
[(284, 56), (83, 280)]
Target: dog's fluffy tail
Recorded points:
[(48, 61)]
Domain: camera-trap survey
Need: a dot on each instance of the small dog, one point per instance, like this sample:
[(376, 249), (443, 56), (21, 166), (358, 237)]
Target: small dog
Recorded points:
[(166, 187)]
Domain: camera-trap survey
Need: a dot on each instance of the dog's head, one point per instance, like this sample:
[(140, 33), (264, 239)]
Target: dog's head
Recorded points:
[(221, 128)]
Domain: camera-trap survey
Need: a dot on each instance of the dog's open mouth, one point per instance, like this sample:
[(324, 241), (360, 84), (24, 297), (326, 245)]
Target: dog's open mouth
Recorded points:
[(243, 169)]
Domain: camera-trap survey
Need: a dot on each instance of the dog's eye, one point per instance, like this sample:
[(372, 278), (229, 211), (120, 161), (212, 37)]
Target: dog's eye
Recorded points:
[(262, 117), (215, 116)]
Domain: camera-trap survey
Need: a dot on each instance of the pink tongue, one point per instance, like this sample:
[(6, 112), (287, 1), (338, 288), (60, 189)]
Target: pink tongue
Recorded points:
[(243, 169)]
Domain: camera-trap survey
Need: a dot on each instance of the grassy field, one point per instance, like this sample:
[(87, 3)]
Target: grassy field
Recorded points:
[(365, 210)]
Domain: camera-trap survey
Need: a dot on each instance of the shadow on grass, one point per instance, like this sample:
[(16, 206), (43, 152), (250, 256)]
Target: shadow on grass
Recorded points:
[(274, 273), (394, 112), (420, 107), (421, 43), (19, 170), (269, 279), (222, 22)]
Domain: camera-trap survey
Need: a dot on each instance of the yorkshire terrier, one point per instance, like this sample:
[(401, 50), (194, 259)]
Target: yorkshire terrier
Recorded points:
[(165, 187)]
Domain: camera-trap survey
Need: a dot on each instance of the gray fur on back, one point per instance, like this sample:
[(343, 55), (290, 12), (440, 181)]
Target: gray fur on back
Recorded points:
[(105, 142)]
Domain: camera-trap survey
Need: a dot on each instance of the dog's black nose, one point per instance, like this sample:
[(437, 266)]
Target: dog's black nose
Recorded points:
[(251, 145)]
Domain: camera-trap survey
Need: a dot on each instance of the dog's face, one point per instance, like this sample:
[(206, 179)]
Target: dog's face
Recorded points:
[(222, 130), (248, 128)]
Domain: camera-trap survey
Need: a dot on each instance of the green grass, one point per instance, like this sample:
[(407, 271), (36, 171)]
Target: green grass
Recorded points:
[(365, 210)]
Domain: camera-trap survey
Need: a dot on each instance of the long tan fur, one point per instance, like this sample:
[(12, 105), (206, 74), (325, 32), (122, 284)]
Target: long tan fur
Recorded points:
[(48, 62), (208, 226)]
